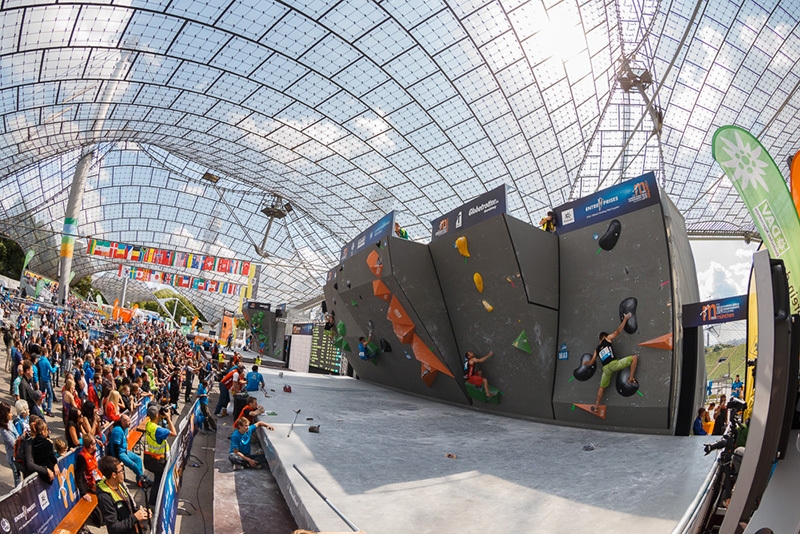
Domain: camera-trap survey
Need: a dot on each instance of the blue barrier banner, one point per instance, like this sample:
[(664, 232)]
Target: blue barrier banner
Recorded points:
[(715, 311), (177, 457), (36, 506), (477, 210), (617, 200), (373, 234)]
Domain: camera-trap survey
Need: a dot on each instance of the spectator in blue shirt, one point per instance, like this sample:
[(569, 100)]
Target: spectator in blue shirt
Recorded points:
[(697, 428), (254, 380), (241, 452), (46, 371), (118, 448), (202, 395)]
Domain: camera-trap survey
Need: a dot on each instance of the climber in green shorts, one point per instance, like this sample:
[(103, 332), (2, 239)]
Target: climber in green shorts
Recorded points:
[(610, 364)]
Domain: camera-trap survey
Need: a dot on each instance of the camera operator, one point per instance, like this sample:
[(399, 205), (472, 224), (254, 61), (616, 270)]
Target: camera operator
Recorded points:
[(156, 446), (730, 457)]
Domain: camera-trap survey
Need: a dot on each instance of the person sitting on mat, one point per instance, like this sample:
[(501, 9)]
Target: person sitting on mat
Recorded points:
[(240, 453), (473, 376), (610, 363)]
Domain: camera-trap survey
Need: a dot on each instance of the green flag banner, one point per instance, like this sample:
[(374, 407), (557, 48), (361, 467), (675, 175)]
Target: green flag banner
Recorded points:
[(755, 176), (28, 258)]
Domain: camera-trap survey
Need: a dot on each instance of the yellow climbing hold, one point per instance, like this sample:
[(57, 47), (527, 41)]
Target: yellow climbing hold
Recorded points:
[(478, 279), (461, 245), (488, 306)]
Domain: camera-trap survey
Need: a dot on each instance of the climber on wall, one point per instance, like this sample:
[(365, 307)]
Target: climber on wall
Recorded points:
[(473, 376), (610, 363)]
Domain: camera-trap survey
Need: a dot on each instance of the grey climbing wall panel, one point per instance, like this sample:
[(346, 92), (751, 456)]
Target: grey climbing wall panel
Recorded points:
[(365, 303), (535, 251), (594, 282), (525, 378)]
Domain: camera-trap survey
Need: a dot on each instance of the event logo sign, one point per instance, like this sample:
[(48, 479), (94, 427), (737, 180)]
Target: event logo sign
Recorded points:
[(626, 197), (760, 184), (715, 311), (371, 235), (476, 210)]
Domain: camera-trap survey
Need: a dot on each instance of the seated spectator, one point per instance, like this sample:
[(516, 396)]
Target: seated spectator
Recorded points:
[(251, 410), (87, 475), (118, 448), (72, 428), (115, 503), (240, 451), (697, 428)]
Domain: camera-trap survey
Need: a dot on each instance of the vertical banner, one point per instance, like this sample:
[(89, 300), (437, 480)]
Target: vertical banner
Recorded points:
[(28, 258), (227, 326), (760, 184)]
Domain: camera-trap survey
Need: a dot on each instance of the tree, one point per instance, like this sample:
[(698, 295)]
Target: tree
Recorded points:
[(83, 286), (11, 258)]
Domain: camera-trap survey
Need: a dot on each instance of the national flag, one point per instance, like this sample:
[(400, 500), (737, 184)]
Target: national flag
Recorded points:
[(120, 273), (158, 256), (180, 259), (235, 266), (141, 274), (223, 265), (184, 281), (233, 289), (136, 253), (128, 250), (118, 251), (213, 286), (157, 276), (245, 268), (89, 248), (197, 261), (102, 248), (168, 279), (208, 263), (168, 257), (149, 256)]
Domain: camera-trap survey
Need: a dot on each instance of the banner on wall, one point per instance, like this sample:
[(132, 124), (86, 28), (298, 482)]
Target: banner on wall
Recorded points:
[(476, 210), (373, 234), (755, 176), (625, 197), (169, 258), (715, 311)]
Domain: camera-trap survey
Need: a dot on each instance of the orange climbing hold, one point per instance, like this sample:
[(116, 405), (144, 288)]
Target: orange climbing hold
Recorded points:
[(661, 342), (599, 411), (375, 263), (402, 324), (426, 356), (380, 290), (427, 374)]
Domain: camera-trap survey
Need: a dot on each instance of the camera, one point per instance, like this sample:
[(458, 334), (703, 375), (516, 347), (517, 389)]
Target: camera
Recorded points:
[(163, 411), (736, 405)]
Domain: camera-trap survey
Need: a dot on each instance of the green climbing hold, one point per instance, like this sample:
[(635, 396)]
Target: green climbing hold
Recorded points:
[(340, 328), (354, 303), (522, 343), (339, 342), (372, 349), (346, 347)]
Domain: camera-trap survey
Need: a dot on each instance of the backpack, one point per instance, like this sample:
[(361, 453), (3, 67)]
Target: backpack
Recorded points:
[(19, 452), (228, 380)]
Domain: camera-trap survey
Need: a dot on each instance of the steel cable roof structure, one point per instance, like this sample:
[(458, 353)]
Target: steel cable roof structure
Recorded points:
[(349, 109)]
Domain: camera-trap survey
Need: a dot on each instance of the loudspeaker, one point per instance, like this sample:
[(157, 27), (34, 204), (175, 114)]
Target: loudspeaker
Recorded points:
[(324, 307), (780, 290), (278, 313)]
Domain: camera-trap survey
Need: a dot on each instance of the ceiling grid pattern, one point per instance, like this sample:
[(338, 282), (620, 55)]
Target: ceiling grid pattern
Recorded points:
[(349, 109)]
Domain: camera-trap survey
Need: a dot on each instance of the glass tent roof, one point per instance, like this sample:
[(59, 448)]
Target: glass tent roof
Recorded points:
[(350, 109)]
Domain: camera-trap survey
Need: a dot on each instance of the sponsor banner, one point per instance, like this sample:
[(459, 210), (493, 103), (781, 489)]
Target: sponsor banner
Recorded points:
[(177, 458), (262, 306), (169, 258), (373, 234), (755, 176), (303, 329), (715, 311), (609, 203), (476, 210)]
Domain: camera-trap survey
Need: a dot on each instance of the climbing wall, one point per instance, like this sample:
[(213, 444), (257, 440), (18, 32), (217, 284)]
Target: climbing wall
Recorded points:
[(605, 264), (496, 304), (391, 289), (261, 323)]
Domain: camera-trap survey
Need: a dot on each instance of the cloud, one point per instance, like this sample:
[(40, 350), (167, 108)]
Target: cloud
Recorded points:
[(720, 282)]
